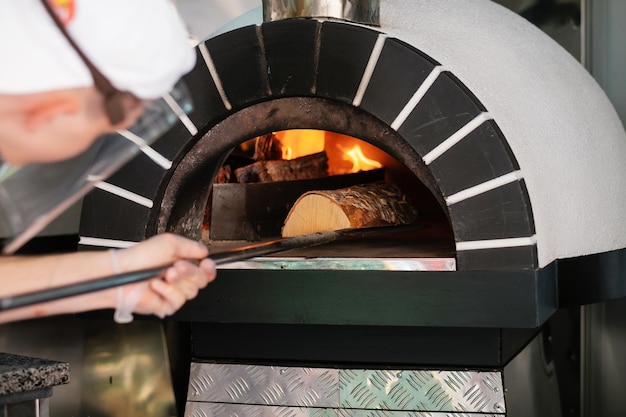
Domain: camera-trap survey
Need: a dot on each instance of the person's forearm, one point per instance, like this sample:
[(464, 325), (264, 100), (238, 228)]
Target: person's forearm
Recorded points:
[(20, 275), (188, 273), (87, 302)]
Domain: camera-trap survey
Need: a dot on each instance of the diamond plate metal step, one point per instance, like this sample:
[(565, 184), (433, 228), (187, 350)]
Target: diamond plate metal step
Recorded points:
[(353, 391), (241, 410)]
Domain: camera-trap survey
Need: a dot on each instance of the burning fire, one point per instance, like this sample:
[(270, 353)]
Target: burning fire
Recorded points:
[(360, 162), (300, 142), (345, 154)]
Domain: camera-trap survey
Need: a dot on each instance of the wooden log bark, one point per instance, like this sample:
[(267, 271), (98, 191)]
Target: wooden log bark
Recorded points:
[(306, 167), (267, 147), (367, 205), (224, 175)]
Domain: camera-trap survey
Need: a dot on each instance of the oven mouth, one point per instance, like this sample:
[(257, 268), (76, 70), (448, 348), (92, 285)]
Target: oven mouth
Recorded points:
[(191, 187)]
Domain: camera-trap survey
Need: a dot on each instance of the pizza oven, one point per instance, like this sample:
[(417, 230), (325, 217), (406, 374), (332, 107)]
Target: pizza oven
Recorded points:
[(510, 152)]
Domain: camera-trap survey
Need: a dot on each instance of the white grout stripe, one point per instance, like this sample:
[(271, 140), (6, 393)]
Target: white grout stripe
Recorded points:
[(213, 71), (497, 243), (456, 137), (159, 159), (417, 97), (105, 243), (191, 127), (484, 187), (369, 69), (128, 195)]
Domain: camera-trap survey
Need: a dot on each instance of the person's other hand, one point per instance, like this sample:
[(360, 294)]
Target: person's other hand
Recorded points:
[(163, 296)]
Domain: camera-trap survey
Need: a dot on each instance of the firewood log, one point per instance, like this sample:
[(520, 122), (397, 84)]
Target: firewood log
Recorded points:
[(367, 205), (267, 147), (306, 167), (223, 176)]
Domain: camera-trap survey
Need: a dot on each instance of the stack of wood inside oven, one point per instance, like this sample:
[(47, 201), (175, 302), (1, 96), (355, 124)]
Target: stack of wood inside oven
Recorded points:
[(262, 195)]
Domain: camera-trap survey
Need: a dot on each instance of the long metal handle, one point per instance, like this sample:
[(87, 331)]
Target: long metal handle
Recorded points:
[(233, 255)]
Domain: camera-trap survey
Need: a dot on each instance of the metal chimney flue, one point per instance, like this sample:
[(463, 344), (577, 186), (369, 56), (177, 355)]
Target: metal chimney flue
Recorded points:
[(357, 11)]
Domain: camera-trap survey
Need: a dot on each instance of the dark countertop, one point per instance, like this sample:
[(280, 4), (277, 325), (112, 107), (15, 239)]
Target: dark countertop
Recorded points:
[(22, 373)]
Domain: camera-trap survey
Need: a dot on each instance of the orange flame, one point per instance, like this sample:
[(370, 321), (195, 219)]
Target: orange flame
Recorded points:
[(360, 162), (300, 142), (345, 154)]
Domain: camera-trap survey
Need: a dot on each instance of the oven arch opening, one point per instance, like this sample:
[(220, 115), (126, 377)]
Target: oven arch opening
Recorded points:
[(182, 210)]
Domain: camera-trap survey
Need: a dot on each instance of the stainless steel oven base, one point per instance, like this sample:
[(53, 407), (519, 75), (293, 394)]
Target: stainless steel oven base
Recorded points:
[(526, 385), (229, 389)]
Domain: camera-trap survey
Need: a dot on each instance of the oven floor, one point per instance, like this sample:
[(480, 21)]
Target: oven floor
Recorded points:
[(431, 242)]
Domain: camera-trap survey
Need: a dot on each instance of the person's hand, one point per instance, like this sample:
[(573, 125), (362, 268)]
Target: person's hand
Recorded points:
[(162, 296)]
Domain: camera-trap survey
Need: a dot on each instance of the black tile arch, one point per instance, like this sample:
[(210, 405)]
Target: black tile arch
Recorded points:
[(291, 55), (208, 109), (501, 213), (499, 259), (481, 156), (400, 71), (344, 53), (107, 216), (445, 108), (240, 63), (173, 142), (141, 176), (208, 106)]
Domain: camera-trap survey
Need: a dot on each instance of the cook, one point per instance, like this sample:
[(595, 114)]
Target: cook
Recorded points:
[(65, 95)]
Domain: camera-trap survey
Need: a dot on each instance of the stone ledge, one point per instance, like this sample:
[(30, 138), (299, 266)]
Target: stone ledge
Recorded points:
[(21, 373)]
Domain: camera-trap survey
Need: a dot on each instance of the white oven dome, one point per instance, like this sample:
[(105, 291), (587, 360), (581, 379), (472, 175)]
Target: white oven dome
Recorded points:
[(561, 127)]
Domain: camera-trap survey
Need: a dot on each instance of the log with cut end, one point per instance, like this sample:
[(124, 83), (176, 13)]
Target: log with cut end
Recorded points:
[(359, 206), (306, 167)]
